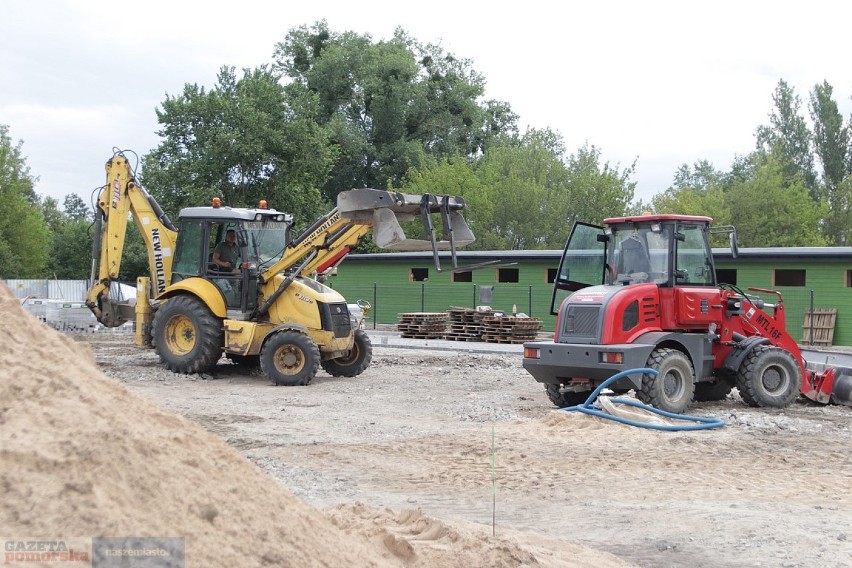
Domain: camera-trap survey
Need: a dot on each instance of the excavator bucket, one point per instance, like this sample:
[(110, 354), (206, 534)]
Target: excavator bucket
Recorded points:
[(388, 209)]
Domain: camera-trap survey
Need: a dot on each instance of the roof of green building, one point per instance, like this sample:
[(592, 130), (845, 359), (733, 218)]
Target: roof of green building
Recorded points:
[(763, 254)]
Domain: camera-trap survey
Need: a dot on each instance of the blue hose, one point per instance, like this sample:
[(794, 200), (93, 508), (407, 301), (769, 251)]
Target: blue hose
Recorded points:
[(587, 408)]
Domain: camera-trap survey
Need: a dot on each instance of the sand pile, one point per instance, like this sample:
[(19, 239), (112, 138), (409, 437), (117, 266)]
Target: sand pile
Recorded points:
[(82, 456)]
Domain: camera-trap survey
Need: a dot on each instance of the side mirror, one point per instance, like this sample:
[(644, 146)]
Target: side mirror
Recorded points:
[(732, 237)]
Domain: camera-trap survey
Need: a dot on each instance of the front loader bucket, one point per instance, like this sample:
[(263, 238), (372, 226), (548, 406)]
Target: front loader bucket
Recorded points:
[(388, 234), (387, 209), (828, 377)]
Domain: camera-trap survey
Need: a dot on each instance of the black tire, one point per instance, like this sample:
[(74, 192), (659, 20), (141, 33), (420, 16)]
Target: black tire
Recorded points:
[(290, 358), (356, 362), (707, 391), (565, 399), (769, 377), (674, 385), (187, 336)]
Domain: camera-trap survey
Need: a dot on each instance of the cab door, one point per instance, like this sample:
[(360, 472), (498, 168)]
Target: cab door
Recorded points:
[(582, 263)]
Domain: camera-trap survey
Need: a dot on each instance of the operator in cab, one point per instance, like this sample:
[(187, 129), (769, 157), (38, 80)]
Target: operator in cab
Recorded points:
[(226, 254)]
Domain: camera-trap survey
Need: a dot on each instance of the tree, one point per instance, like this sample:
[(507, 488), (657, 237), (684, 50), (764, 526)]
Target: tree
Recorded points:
[(711, 202), (526, 183), (75, 209), (71, 237), (768, 211), (244, 140), (697, 190), (788, 138), (71, 251), (701, 175), (521, 194), (596, 189), (54, 217), (387, 104), (831, 143), (24, 234)]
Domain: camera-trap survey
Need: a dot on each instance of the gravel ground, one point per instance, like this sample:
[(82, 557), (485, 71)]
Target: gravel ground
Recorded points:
[(473, 437)]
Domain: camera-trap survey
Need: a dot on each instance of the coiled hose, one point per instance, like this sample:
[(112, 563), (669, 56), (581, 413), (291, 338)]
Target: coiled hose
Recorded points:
[(587, 407)]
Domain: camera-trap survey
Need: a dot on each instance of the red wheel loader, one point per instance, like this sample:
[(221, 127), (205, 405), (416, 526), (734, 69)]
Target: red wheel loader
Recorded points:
[(643, 294)]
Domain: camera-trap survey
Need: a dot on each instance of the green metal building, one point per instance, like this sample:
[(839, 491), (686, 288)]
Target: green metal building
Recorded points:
[(809, 278)]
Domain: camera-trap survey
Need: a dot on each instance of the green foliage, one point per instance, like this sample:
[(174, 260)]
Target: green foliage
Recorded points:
[(71, 251), (388, 104), (521, 194), (52, 214), (24, 233), (701, 175), (75, 209), (135, 258), (788, 139), (711, 202), (768, 212), (452, 176), (526, 183), (832, 146), (244, 140), (26, 237), (596, 189), (15, 177), (837, 227)]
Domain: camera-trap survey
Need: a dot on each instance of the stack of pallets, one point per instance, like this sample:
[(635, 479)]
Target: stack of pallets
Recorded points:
[(510, 329), (466, 324), (423, 325)]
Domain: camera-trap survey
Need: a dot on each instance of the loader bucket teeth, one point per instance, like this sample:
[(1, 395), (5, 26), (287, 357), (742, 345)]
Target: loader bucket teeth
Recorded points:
[(387, 209), (388, 234)]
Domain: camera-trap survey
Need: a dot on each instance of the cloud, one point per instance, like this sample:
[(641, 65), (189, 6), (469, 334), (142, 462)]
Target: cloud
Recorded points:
[(671, 82)]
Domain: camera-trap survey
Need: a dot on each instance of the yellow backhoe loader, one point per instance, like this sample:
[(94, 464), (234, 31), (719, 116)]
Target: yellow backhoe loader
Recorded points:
[(264, 308)]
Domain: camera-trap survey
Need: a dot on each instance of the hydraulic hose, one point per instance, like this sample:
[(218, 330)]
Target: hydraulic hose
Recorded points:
[(701, 423)]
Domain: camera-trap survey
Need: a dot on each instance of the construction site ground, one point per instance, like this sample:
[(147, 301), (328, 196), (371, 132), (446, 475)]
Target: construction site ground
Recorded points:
[(462, 432)]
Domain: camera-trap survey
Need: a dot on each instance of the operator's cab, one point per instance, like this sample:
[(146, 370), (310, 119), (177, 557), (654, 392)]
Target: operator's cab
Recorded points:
[(666, 250), (261, 236)]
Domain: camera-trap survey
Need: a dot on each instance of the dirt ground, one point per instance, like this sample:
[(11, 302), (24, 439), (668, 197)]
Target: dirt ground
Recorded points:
[(416, 430)]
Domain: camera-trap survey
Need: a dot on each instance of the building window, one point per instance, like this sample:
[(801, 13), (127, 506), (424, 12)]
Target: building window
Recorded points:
[(726, 276), (788, 277), (418, 274), (849, 278), (551, 275), (507, 275), (464, 276)]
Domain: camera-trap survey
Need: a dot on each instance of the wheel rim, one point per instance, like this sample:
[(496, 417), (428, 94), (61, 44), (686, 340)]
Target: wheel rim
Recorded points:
[(673, 385), (289, 360), (352, 357), (181, 336), (775, 379)]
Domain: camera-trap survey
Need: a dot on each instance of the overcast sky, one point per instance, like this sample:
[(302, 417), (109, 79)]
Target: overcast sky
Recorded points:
[(665, 83)]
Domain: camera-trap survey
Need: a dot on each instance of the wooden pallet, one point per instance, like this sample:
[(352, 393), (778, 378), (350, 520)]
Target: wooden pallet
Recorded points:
[(821, 333), (466, 324), (423, 325), (489, 338), (510, 329)]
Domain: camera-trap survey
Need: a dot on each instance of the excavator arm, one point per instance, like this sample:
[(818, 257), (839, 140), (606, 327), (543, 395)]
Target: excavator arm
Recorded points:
[(358, 211), (119, 199), (325, 243)]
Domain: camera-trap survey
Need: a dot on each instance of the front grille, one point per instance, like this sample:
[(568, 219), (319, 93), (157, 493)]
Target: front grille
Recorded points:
[(335, 317), (581, 321)]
